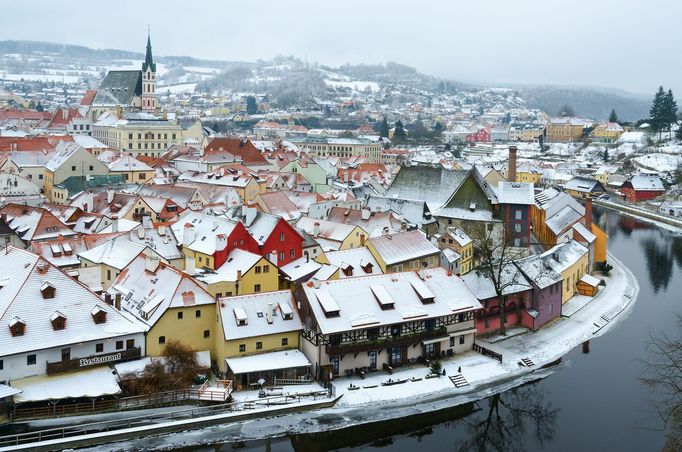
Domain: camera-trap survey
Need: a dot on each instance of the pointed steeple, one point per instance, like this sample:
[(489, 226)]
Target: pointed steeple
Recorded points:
[(148, 60)]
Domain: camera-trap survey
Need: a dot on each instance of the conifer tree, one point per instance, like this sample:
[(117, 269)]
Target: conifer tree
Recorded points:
[(669, 114), (656, 111), (399, 132), (383, 131), (613, 117)]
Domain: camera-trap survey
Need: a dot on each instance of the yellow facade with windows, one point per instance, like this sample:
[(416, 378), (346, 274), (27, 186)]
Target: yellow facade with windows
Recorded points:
[(262, 277), (191, 325), (268, 343), (571, 275), (432, 261)]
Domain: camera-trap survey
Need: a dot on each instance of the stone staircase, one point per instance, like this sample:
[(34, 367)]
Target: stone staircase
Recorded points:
[(459, 381), (527, 362)]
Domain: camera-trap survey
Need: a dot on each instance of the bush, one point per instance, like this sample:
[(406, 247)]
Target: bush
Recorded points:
[(436, 367)]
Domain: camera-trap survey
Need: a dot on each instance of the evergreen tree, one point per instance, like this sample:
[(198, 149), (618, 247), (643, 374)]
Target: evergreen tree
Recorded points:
[(606, 154), (613, 117), (678, 134), (251, 106), (656, 111), (399, 132), (383, 130), (40, 107), (669, 114)]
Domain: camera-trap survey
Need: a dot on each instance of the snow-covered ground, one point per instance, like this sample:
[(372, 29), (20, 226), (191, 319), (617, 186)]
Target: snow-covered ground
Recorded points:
[(42, 77), (176, 89), (658, 162), (355, 85)]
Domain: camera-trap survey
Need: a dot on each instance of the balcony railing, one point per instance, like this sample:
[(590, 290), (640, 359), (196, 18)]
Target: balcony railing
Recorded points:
[(396, 341), (81, 363)]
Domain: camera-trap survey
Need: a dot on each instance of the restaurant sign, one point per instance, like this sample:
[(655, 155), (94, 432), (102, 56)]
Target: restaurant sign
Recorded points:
[(102, 359)]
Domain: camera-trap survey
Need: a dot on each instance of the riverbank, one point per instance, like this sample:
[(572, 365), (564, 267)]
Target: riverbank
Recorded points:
[(484, 376), (665, 221)]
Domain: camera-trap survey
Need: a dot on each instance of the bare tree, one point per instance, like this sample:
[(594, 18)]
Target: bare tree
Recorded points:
[(495, 261), (664, 374)]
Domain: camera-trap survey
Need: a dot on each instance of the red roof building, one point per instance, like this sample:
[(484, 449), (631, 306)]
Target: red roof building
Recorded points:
[(244, 149)]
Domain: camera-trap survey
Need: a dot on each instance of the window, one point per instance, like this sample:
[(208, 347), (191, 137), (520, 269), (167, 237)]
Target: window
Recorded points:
[(373, 334), (281, 255), (517, 227), (281, 236), (259, 345), (256, 288), (197, 313), (258, 269), (519, 214), (207, 334), (292, 253), (73, 168), (91, 167), (452, 341), (162, 340), (99, 348), (130, 344), (119, 345), (334, 361), (395, 330), (242, 348), (373, 359), (2, 365), (430, 324), (460, 317), (266, 269), (40, 177), (30, 360), (285, 341), (461, 340)]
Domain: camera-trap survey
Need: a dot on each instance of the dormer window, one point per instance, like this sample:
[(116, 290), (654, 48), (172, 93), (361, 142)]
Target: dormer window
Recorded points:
[(17, 327), (367, 267), (58, 321), (347, 269), (47, 290), (240, 316), (99, 315)]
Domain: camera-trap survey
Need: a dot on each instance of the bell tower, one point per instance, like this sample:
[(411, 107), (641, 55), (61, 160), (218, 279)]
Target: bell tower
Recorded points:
[(149, 100)]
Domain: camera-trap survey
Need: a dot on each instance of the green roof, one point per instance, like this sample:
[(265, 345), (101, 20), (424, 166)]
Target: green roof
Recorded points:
[(76, 184)]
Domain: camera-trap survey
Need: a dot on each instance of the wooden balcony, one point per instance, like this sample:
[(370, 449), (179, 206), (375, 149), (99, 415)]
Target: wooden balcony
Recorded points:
[(94, 360), (398, 341)]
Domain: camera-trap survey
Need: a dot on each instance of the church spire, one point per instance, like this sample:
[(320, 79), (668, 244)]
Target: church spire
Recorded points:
[(149, 60)]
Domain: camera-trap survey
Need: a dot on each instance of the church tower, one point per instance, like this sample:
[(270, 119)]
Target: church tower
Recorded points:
[(149, 100)]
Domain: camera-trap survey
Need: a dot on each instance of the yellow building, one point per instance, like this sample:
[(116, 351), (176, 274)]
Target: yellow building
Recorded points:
[(600, 244), (168, 303), (565, 130), (333, 236), (404, 251), (571, 260), (607, 132), (132, 170), (242, 273), (259, 338)]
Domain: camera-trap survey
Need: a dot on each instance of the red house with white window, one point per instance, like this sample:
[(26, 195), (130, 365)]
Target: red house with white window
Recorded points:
[(277, 239), (481, 136), (641, 188)]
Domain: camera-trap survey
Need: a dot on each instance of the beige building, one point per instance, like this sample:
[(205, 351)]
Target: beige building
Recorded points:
[(342, 147), (138, 134), (69, 160)]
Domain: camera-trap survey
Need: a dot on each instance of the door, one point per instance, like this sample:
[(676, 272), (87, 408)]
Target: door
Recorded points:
[(66, 354), (394, 357), (429, 350), (335, 365), (373, 360)]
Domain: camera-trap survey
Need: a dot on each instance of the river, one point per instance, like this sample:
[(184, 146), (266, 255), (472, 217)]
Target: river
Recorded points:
[(595, 401)]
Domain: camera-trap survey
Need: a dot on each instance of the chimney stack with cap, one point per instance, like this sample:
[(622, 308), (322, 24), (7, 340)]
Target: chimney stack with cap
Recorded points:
[(511, 172)]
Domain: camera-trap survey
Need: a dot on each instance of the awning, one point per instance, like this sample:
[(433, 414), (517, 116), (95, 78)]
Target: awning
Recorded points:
[(438, 339), (462, 332), (132, 369), (286, 359), (94, 382), (8, 391)]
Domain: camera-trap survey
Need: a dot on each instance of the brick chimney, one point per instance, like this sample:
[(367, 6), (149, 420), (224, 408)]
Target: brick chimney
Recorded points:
[(588, 213), (511, 172)]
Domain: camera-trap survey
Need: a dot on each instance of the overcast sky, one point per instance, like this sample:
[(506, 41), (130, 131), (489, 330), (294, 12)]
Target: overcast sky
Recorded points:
[(628, 44)]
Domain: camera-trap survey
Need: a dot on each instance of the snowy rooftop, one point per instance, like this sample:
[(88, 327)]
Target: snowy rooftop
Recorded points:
[(403, 246), (515, 193), (117, 252), (284, 359), (23, 274), (336, 232), (356, 261), (563, 219), (84, 383), (206, 228), (563, 255), (511, 279), (237, 261), (358, 306), (247, 315)]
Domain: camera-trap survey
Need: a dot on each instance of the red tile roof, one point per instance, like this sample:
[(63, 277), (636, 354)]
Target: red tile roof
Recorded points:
[(88, 97), (37, 143), (244, 149), (62, 117)]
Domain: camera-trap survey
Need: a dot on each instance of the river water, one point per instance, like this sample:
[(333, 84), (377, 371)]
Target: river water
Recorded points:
[(595, 400)]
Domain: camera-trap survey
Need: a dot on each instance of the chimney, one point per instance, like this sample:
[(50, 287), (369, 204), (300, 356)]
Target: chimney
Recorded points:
[(162, 230), (511, 172), (239, 275), (114, 223), (65, 113), (188, 234), (117, 302), (316, 229), (151, 263), (107, 298), (190, 268), (110, 196), (220, 242), (588, 213), (273, 257), (268, 313), (140, 233)]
